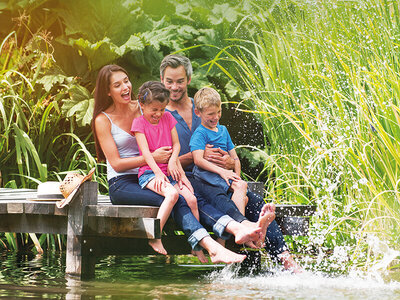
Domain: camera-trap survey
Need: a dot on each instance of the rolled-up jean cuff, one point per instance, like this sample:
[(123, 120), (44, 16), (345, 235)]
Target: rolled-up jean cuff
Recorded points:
[(196, 237), (220, 225)]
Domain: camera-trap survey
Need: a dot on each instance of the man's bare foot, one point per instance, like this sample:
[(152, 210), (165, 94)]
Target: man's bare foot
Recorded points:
[(267, 215), (200, 255), (289, 263), (157, 246)]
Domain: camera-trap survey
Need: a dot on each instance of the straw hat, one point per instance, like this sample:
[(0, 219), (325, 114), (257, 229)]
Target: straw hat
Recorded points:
[(70, 185)]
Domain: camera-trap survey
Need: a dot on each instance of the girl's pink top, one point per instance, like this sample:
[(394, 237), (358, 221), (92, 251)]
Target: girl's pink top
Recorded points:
[(157, 135)]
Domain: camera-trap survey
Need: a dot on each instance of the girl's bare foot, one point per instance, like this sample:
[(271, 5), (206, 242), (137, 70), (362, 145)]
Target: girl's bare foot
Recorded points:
[(267, 215), (157, 246), (200, 255)]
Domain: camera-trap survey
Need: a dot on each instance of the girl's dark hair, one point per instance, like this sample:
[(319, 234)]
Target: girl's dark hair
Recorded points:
[(102, 100), (153, 90)]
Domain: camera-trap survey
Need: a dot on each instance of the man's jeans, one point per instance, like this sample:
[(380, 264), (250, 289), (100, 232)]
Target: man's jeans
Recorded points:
[(274, 241)]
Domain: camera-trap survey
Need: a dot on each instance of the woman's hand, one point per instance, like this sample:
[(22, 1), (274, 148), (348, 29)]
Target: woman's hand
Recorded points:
[(229, 174), (162, 154)]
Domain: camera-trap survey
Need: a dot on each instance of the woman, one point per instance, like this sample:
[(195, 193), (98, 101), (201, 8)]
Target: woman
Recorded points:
[(114, 112)]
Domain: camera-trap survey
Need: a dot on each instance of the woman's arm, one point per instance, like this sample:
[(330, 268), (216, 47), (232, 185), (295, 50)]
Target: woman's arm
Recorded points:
[(107, 144)]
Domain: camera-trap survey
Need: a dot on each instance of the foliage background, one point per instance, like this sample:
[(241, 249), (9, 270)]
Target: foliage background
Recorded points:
[(320, 77)]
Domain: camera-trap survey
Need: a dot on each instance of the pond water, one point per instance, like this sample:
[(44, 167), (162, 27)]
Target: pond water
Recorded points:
[(156, 277)]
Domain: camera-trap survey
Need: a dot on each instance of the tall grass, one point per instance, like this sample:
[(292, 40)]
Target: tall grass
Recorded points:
[(37, 143), (323, 79)]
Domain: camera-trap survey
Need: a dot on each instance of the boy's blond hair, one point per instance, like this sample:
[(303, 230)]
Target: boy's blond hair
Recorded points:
[(206, 97)]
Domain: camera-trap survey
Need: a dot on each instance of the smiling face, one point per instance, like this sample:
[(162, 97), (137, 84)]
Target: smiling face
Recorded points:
[(176, 81), (153, 111), (120, 88), (210, 116)]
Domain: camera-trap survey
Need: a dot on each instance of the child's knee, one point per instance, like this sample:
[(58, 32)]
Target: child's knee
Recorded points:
[(192, 201), (172, 194)]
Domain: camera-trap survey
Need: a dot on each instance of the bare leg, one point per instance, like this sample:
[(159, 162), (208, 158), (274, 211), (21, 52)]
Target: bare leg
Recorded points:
[(171, 196), (220, 254), (191, 200)]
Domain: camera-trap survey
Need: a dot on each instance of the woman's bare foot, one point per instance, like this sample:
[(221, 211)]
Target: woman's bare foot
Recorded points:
[(200, 255), (267, 215), (289, 263), (220, 254), (157, 246), (243, 234)]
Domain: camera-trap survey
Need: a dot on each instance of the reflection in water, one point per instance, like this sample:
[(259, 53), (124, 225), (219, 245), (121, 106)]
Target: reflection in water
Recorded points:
[(156, 277)]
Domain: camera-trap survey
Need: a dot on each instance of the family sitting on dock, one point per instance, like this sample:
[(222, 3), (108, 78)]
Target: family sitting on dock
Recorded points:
[(166, 149)]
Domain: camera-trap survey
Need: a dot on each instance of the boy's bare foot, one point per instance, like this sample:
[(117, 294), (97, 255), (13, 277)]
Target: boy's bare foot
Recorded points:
[(267, 215), (157, 246), (289, 263), (200, 255)]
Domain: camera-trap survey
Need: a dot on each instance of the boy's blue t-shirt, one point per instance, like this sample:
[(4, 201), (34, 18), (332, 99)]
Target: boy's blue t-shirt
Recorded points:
[(219, 139)]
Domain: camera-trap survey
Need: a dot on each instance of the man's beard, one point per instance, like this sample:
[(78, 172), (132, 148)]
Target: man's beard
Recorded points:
[(180, 98)]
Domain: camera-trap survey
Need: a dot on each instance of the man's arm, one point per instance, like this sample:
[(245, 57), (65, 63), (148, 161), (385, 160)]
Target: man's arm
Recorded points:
[(219, 157), (186, 159)]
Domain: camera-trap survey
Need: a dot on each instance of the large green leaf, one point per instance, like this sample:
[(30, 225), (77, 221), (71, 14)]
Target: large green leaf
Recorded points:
[(79, 105), (49, 81), (104, 52)]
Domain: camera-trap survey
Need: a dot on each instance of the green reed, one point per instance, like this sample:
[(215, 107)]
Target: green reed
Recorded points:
[(37, 143), (322, 77)]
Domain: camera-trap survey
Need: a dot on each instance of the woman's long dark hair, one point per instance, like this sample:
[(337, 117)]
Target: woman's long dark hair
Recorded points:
[(102, 100)]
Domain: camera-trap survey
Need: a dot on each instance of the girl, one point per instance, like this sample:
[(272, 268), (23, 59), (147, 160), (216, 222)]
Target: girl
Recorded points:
[(153, 130)]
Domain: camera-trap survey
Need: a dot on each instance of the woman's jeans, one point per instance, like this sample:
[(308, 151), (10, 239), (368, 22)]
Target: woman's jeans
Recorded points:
[(218, 198), (125, 190)]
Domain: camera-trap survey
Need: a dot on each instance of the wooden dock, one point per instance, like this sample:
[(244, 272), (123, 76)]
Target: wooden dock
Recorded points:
[(94, 227)]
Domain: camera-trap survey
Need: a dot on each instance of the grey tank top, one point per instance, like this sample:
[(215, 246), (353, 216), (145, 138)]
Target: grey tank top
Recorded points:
[(127, 147)]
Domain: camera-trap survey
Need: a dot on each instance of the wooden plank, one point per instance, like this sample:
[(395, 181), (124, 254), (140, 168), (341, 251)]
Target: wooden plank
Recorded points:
[(15, 208), (122, 211), (145, 228), (131, 246), (33, 223), (77, 264)]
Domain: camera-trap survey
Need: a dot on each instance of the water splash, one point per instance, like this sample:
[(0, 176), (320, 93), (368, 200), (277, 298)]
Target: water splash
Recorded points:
[(308, 285)]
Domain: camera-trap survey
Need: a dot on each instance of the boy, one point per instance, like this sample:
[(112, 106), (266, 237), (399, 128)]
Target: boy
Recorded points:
[(207, 103)]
